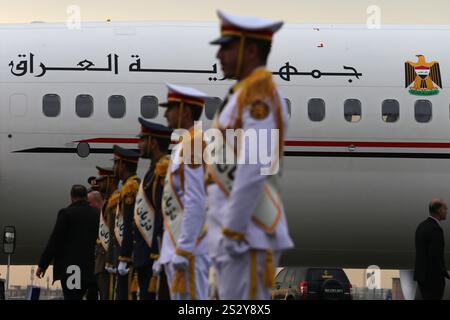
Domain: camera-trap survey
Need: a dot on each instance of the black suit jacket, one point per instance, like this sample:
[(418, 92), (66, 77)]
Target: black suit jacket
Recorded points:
[(430, 264), (72, 241)]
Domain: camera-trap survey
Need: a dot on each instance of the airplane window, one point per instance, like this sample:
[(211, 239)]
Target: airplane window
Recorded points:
[(211, 106), (316, 109), (51, 105), (84, 106), (352, 110), (422, 111), (288, 105), (116, 106), (390, 110), (149, 107)]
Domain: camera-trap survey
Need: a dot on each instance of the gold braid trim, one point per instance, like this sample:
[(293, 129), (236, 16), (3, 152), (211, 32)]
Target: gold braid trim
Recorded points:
[(162, 166), (190, 140), (179, 282), (134, 283), (153, 284), (114, 199), (111, 286), (191, 270), (152, 287), (131, 187), (258, 85), (233, 234), (183, 253), (130, 279), (124, 259), (130, 191), (269, 270), (154, 256), (253, 275)]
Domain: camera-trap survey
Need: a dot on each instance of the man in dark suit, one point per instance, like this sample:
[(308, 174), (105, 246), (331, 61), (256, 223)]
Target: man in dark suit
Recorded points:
[(97, 290), (71, 246), (430, 270)]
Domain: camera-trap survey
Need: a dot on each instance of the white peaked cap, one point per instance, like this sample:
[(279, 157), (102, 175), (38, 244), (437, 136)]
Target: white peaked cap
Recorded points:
[(249, 23), (252, 27), (179, 93), (186, 91)]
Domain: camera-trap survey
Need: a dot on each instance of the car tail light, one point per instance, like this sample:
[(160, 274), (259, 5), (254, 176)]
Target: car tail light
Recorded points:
[(303, 286), (350, 286)]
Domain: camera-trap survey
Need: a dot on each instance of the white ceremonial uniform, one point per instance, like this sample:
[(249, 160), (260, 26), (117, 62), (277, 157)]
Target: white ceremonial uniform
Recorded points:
[(193, 200), (242, 276), (214, 216)]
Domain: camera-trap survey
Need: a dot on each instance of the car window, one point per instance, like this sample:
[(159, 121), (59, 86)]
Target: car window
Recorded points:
[(300, 274), (325, 274), (290, 277), (281, 275)]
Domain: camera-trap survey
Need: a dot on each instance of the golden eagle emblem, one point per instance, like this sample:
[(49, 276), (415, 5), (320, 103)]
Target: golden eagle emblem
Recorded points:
[(424, 75)]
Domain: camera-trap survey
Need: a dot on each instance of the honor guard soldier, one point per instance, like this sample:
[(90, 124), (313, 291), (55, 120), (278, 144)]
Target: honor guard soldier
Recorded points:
[(125, 166), (246, 201), (92, 181), (148, 221), (112, 252), (107, 185), (184, 249)]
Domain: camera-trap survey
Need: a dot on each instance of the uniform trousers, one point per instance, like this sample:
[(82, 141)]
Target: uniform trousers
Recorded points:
[(241, 277), (200, 280)]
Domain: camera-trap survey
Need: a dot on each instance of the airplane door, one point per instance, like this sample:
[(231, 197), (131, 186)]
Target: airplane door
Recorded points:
[(14, 123), (17, 111)]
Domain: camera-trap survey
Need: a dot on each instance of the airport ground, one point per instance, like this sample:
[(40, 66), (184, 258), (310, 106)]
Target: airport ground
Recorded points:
[(23, 276)]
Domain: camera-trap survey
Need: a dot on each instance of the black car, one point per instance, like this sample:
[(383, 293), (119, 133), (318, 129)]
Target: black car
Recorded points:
[(312, 284)]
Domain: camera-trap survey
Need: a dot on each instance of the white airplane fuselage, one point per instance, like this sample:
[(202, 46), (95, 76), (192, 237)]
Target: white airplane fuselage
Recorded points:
[(354, 191)]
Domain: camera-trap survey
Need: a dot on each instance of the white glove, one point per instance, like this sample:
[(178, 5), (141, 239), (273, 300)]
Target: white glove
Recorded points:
[(180, 262), (233, 247), (156, 268), (111, 269), (122, 269)]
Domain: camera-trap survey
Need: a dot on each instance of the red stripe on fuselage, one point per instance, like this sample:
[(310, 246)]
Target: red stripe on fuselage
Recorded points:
[(302, 143), (368, 144), (111, 140)]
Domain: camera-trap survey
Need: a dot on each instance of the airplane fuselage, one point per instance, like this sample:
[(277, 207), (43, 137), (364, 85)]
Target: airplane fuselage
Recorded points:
[(354, 190)]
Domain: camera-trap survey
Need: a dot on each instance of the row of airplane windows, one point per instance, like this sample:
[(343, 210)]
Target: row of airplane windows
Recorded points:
[(117, 105), (84, 108)]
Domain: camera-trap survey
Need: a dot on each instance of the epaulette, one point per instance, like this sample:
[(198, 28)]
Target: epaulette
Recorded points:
[(114, 199), (130, 190), (130, 187), (162, 165), (258, 86), (258, 91), (194, 143)]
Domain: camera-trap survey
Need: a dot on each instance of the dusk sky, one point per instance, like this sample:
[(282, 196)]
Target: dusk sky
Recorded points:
[(294, 11)]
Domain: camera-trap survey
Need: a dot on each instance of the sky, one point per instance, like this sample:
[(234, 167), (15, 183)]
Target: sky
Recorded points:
[(294, 11), (291, 11)]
